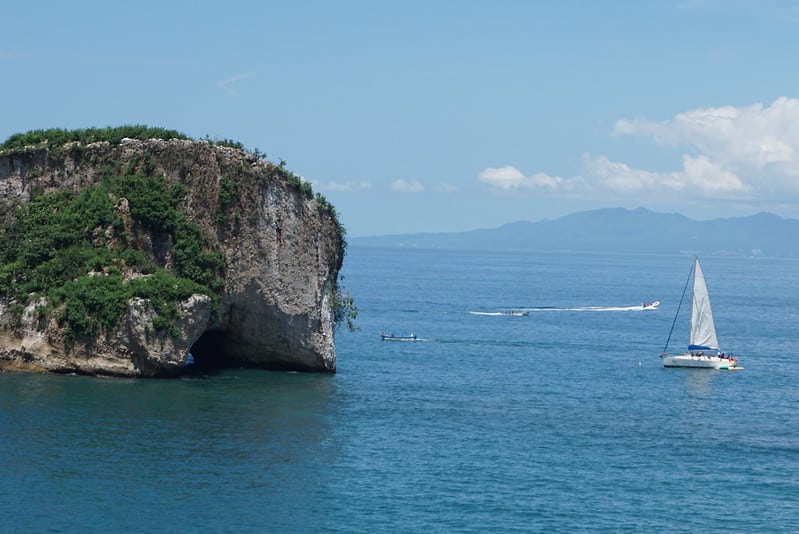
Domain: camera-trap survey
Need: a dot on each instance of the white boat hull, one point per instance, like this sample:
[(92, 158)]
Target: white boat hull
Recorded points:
[(698, 361), (392, 337)]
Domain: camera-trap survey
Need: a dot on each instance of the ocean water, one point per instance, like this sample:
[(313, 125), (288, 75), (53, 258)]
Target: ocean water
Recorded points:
[(562, 420)]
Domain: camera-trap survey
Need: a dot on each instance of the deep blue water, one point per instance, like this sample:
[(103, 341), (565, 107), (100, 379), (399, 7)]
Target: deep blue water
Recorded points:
[(560, 421)]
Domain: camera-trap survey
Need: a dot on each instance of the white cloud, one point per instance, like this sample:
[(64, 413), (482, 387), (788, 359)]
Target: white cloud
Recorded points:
[(698, 174), (512, 179), (343, 186), (738, 154), (227, 84), (407, 186), (503, 177), (744, 139), (619, 177), (709, 177)]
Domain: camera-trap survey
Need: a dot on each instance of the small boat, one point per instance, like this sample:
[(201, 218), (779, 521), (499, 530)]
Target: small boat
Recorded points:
[(516, 313), (703, 344), (650, 305), (392, 337)]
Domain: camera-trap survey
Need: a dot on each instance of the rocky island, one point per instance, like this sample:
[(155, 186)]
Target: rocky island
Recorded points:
[(127, 251)]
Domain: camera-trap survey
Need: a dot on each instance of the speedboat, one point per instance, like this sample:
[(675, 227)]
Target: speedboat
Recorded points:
[(392, 337)]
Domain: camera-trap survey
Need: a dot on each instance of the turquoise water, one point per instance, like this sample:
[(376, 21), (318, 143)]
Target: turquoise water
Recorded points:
[(559, 421)]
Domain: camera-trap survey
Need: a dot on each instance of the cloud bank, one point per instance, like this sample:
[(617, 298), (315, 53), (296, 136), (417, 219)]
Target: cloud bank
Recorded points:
[(747, 154)]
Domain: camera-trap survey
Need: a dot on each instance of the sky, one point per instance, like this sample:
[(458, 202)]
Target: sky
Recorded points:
[(441, 116)]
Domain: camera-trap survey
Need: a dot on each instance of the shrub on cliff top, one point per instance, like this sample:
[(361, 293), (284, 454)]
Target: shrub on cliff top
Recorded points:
[(114, 135)]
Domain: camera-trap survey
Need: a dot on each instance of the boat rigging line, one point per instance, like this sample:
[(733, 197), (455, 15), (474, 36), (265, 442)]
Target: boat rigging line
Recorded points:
[(674, 322)]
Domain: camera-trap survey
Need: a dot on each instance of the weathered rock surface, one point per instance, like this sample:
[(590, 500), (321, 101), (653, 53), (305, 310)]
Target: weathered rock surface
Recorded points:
[(282, 250)]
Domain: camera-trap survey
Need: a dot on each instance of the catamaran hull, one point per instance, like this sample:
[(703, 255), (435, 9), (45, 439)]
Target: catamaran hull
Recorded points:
[(697, 361)]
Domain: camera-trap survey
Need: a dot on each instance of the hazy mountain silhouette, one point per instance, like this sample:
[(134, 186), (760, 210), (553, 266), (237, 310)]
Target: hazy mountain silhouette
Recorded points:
[(620, 230)]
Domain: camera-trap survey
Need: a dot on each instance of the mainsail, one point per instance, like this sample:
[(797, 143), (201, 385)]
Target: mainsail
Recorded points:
[(703, 331)]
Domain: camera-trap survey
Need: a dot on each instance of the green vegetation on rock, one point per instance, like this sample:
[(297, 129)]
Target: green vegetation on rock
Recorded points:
[(344, 309), (74, 250)]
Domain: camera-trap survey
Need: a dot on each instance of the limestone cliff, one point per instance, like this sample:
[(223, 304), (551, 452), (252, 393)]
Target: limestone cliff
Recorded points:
[(282, 251)]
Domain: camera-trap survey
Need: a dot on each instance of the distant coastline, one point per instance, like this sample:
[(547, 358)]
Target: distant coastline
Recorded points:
[(618, 230)]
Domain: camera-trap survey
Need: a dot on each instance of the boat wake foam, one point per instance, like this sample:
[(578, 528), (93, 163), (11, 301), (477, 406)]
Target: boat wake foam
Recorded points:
[(526, 310), (595, 308)]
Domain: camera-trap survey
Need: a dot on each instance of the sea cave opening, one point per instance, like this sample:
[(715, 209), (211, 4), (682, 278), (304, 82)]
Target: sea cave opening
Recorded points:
[(214, 350), (208, 352)]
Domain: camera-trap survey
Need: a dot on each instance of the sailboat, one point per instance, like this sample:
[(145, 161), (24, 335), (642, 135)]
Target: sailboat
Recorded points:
[(703, 344)]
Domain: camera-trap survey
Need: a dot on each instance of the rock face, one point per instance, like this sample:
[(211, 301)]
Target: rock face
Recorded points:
[(282, 250)]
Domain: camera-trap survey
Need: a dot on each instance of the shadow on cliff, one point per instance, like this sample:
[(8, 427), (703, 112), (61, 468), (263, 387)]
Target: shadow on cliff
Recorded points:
[(212, 352)]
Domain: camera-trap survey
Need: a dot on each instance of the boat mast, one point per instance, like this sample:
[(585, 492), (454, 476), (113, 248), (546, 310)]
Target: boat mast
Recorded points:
[(674, 322)]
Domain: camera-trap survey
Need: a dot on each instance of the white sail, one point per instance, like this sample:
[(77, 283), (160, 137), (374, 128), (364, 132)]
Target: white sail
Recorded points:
[(703, 331), (703, 345)]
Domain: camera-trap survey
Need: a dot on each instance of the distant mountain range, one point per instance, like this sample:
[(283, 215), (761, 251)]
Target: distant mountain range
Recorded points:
[(620, 230)]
